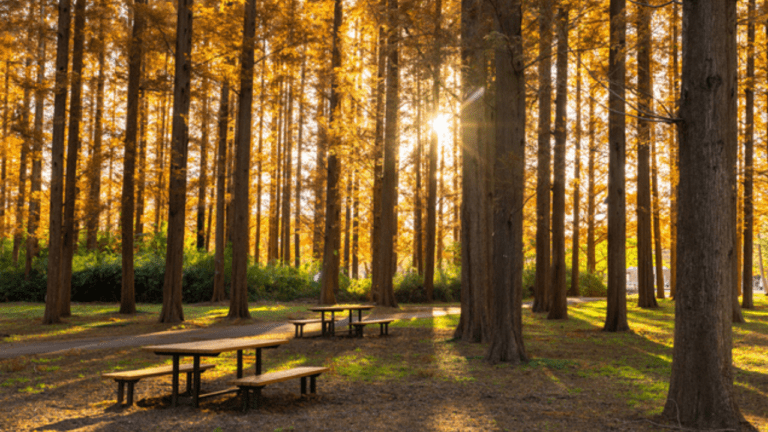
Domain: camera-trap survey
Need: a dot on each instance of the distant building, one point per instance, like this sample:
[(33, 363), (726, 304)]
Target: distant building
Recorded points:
[(632, 278)]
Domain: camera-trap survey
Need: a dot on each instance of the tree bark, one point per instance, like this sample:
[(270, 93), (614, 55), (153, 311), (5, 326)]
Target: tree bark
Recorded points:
[(219, 291), (701, 393), (202, 183), (135, 54), (673, 161), (36, 180), (558, 302), (418, 225), (318, 230), (659, 256), (616, 316), (238, 306), (329, 282), (749, 145), (646, 297), (299, 148), (172, 311), (506, 335), (543, 281), (4, 162), (591, 150), (141, 176), (94, 171), (52, 313), (573, 290), (378, 146), (285, 218), (259, 164)]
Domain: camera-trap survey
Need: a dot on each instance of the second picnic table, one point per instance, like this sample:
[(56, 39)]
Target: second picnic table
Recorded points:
[(329, 327), (210, 348)]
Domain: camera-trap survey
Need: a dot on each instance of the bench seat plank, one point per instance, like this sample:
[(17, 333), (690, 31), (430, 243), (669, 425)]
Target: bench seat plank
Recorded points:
[(279, 376), (383, 326), (152, 372)]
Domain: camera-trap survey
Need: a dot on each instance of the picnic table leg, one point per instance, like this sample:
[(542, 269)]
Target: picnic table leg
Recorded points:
[(120, 391), (258, 361), (350, 321), (332, 324), (325, 328), (303, 386), (175, 381), (239, 363), (196, 374)]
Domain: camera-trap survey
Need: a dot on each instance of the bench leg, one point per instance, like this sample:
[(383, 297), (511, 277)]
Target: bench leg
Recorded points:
[(175, 382), (245, 391), (312, 385), (130, 392), (196, 377), (303, 386), (189, 383), (120, 387)]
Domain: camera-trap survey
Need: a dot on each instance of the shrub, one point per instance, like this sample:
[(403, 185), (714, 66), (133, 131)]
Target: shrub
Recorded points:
[(591, 285)]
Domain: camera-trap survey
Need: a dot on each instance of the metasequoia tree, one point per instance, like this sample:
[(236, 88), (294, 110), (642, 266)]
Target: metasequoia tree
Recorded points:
[(172, 311), (573, 290), (591, 150), (616, 315), (52, 313), (749, 145), (219, 291), (378, 137), (506, 326), (202, 184), (673, 157), (329, 283), (701, 393), (476, 216), (543, 272), (646, 297), (128, 292), (94, 170), (558, 303)]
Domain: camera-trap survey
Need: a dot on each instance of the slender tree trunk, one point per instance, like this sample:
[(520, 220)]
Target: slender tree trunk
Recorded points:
[(476, 240), (135, 54), (285, 218), (52, 313), (238, 306), (160, 160), (701, 393), (509, 191), (418, 226), (33, 221), (616, 315), (219, 291), (440, 213), (172, 311), (558, 303), (429, 252), (378, 146), (329, 283), (673, 162), (749, 145), (591, 151), (318, 230), (356, 226), (659, 257), (347, 223), (299, 148), (141, 177), (573, 290), (646, 296), (760, 262), (259, 164), (202, 184), (456, 192), (543, 281), (3, 164), (383, 269)]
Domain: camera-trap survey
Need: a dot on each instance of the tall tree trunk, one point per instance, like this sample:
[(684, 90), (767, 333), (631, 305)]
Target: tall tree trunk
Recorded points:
[(285, 218), (160, 159), (318, 230), (456, 193), (299, 148), (4, 162), (172, 311), (383, 269), (646, 297), (476, 241), (543, 281), (259, 164), (36, 180), (749, 145), (52, 313), (356, 226), (591, 151), (440, 213), (573, 290), (673, 161), (238, 306), (509, 187), (219, 291), (701, 393), (429, 251), (347, 222), (135, 54), (329, 283), (378, 143), (202, 184), (418, 230), (616, 315), (659, 256), (738, 317), (141, 177)]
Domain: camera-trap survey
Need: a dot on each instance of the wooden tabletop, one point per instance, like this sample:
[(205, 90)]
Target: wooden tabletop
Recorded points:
[(215, 346), (340, 308)]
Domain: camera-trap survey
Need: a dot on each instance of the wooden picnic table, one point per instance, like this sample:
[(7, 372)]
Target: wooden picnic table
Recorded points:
[(210, 348), (329, 327)]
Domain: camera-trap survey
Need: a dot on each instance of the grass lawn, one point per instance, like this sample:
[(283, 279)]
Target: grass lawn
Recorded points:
[(579, 378)]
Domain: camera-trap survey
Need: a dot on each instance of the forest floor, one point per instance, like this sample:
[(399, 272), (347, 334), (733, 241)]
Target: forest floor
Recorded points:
[(417, 379)]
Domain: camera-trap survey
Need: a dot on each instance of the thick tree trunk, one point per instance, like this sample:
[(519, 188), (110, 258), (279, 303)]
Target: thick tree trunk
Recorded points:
[(476, 240), (749, 145), (238, 306), (52, 313), (383, 269), (429, 247), (509, 192), (646, 297), (701, 393), (558, 303), (329, 282), (33, 221), (135, 54), (202, 184), (543, 281), (219, 290), (616, 316), (172, 311), (573, 290)]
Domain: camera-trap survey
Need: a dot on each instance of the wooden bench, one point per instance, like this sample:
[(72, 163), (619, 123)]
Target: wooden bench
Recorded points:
[(132, 377), (383, 326), (257, 382), (300, 323)]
